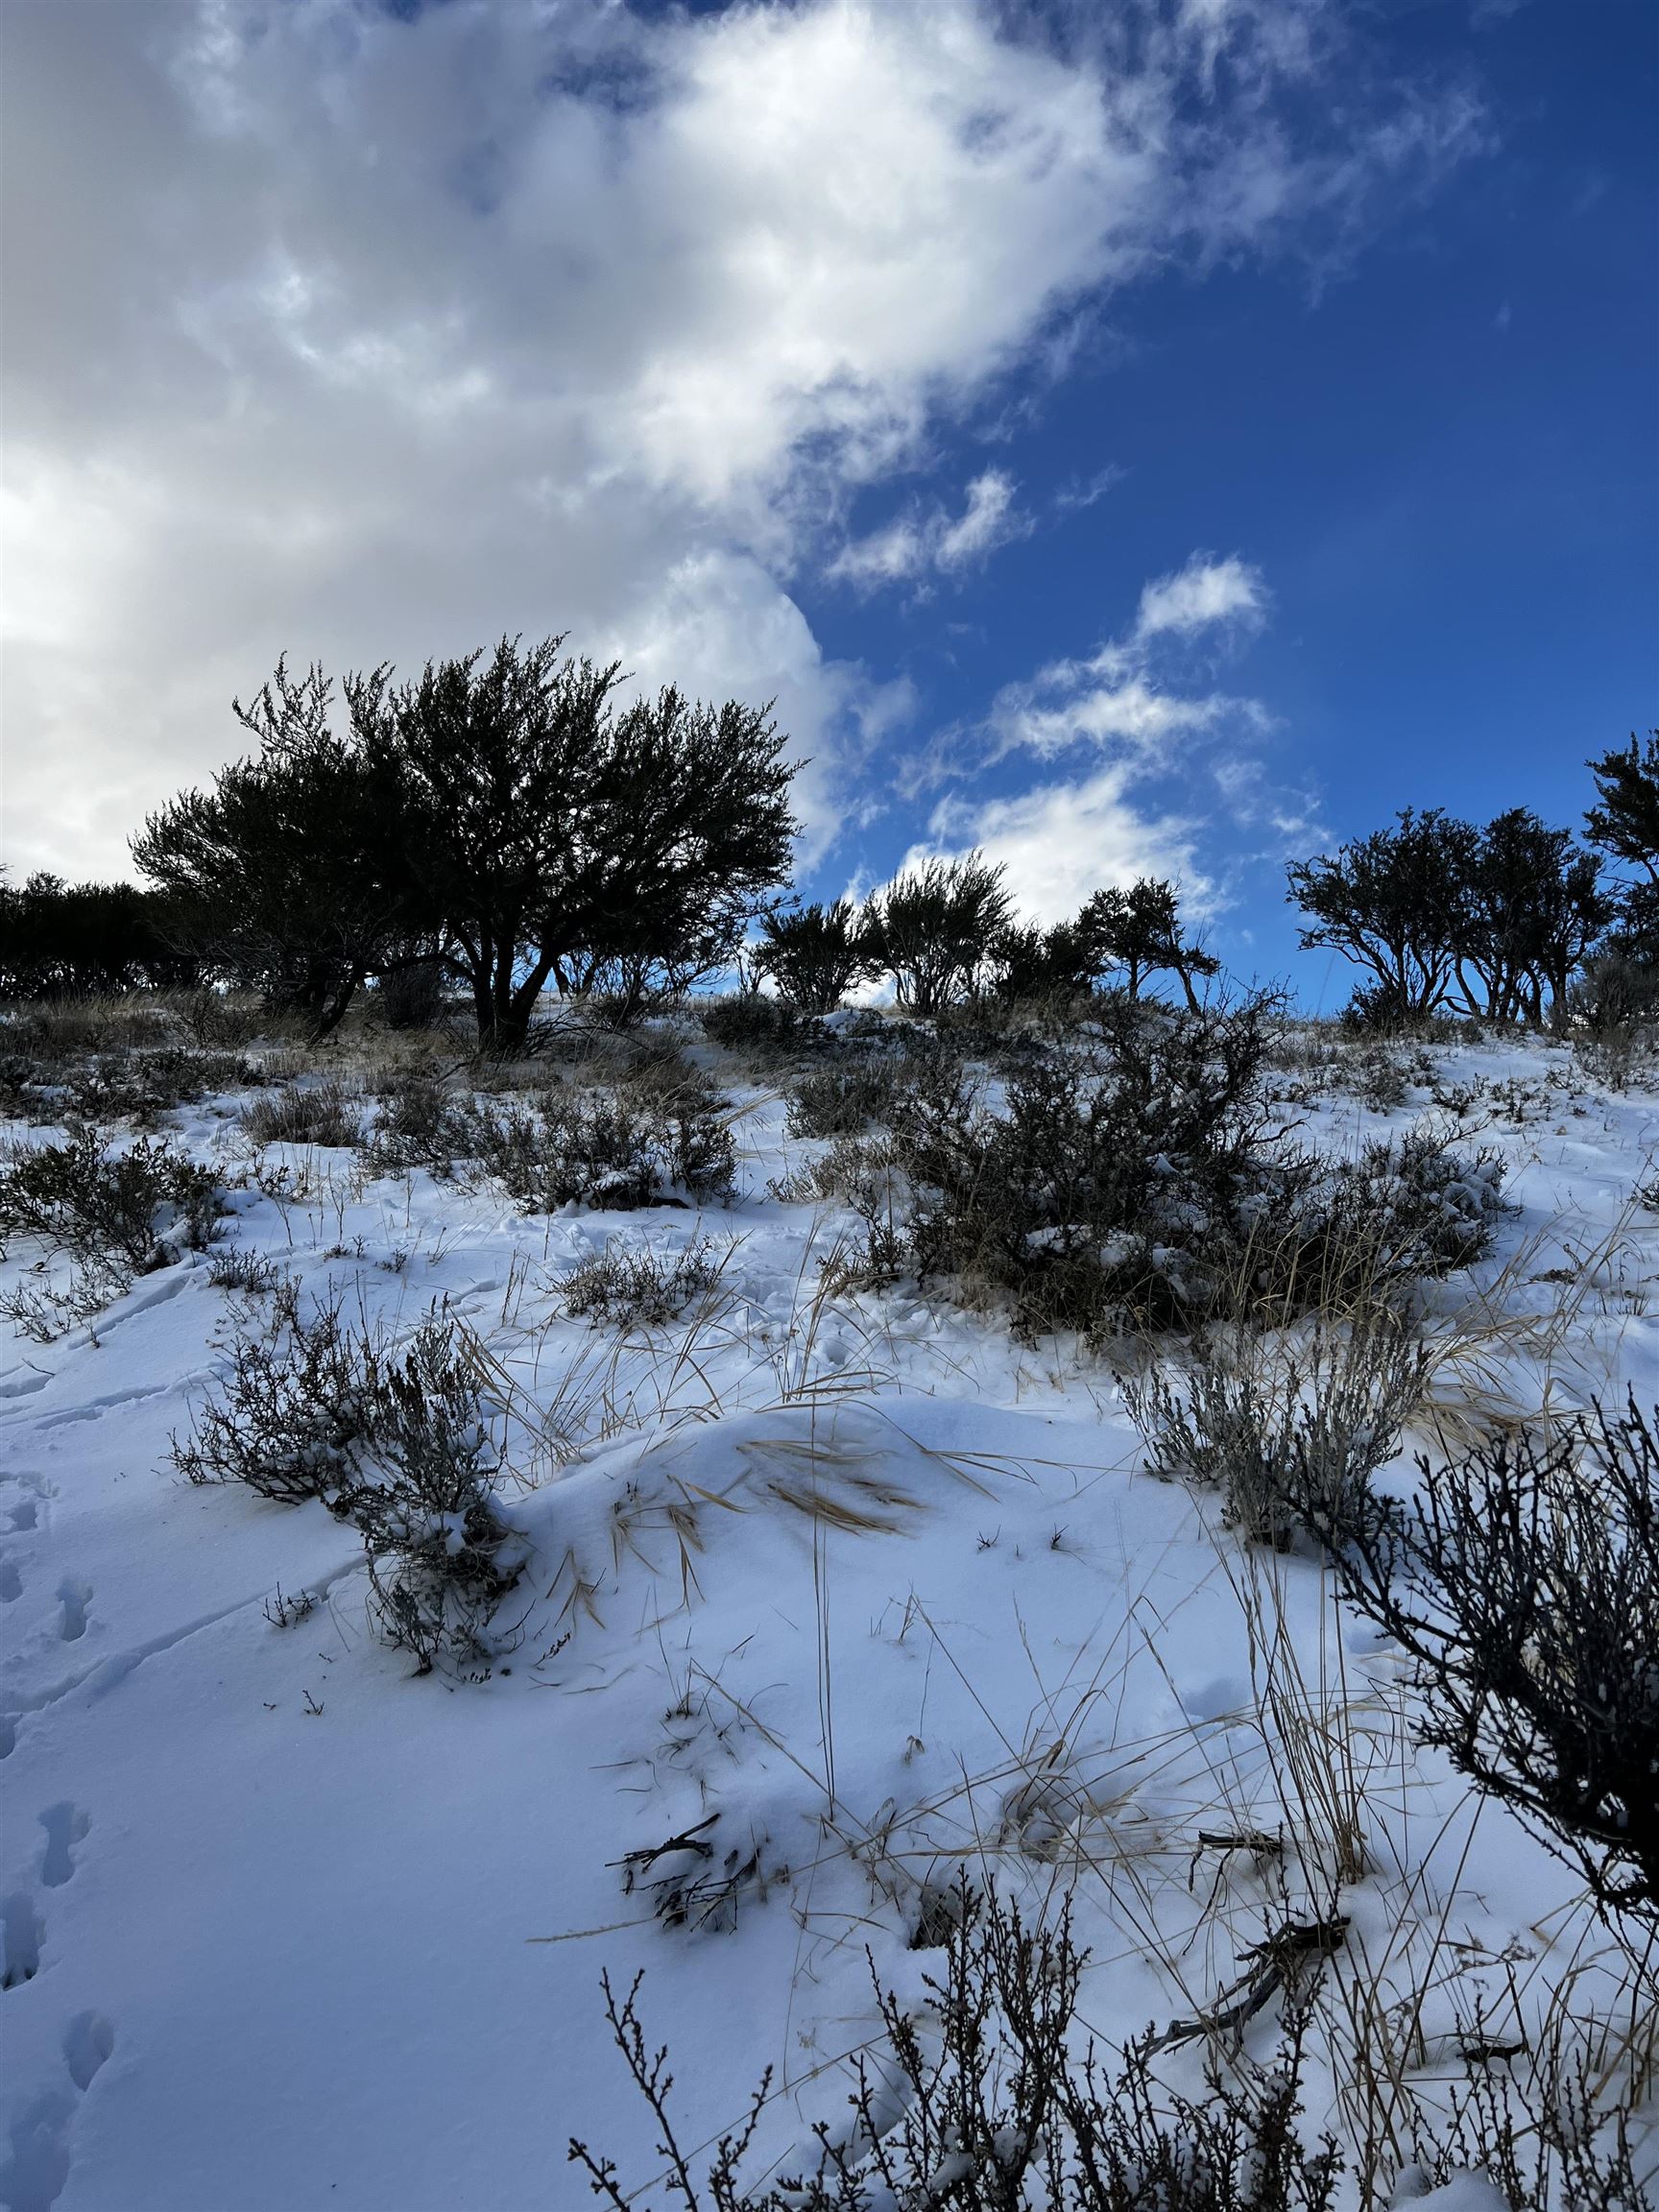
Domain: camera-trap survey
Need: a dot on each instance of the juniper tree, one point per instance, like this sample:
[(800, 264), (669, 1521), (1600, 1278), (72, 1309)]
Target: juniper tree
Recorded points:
[(1138, 930), (551, 831), (815, 954), (936, 927), (284, 875)]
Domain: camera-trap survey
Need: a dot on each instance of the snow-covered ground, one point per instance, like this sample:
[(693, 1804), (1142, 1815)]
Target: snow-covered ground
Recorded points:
[(862, 1592)]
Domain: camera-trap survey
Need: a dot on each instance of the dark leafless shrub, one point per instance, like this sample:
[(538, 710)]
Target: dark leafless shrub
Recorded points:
[(1000, 2112), (396, 1439), (324, 1114), (629, 1285), (1524, 1582), (1272, 1419), (135, 1210), (597, 1150), (841, 1100)]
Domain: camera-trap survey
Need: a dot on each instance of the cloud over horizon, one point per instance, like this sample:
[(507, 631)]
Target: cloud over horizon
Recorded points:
[(366, 335)]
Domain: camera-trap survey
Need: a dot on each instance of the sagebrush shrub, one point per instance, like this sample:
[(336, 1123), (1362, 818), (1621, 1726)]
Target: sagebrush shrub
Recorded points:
[(1283, 1422), (748, 1021), (1523, 1579), (599, 1150), (323, 1114), (420, 1124), (397, 1439), (137, 1209), (998, 2112), (840, 1101), (630, 1285)]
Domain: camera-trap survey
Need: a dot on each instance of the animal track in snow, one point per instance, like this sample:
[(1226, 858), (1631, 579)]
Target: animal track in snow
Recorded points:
[(21, 1929), (24, 1517), (32, 2178), (11, 1583), (65, 1826), (75, 1597), (88, 2042)]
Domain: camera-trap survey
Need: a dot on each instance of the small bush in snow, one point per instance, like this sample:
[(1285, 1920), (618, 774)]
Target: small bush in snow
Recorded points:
[(1524, 1581), (748, 1022), (597, 1150), (628, 1285), (1000, 2112), (840, 1100), (420, 1124), (1282, 1421), (325, 1114), (135, 1210), (397, 1440)]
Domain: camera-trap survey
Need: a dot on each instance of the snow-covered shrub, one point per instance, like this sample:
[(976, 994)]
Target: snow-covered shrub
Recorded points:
[(1524, 1581), (840, 1101), (324, 1114), (1278, 1420), (629, 1285), (750, 1022), (292, 1412), (593, 1150), (999, 2109), (395, 1439), (135, 1210), (439, 1558), (1110, 1179)]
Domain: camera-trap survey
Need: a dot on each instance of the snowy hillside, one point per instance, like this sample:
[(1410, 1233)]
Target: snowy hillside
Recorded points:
[(824, 1596)]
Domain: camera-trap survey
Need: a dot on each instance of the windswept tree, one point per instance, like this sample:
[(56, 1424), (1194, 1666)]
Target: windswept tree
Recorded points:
[(937, 926), (284, 876), (1138, 931), (1394, 905), (1625, 823), (815, 954), (1530, 911), (551, 832)]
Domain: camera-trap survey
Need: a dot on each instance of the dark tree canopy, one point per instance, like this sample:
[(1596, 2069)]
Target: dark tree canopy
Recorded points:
[(284, 874), (936, 929), (68, 940), (815, 954), (1138, 931), (1626, 821), (500, 814), (551, 833)]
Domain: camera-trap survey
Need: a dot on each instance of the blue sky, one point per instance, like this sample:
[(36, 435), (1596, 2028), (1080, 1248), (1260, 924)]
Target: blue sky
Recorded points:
[(1175, 444)]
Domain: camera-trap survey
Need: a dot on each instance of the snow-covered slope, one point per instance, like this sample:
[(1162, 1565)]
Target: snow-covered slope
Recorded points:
[(855, 1594)]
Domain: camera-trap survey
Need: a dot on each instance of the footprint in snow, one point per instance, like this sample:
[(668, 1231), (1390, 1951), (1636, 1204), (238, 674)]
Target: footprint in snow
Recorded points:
[(75, 1597), (65, 1826), (11, 1583), (22, 1930), (33, 2176)]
